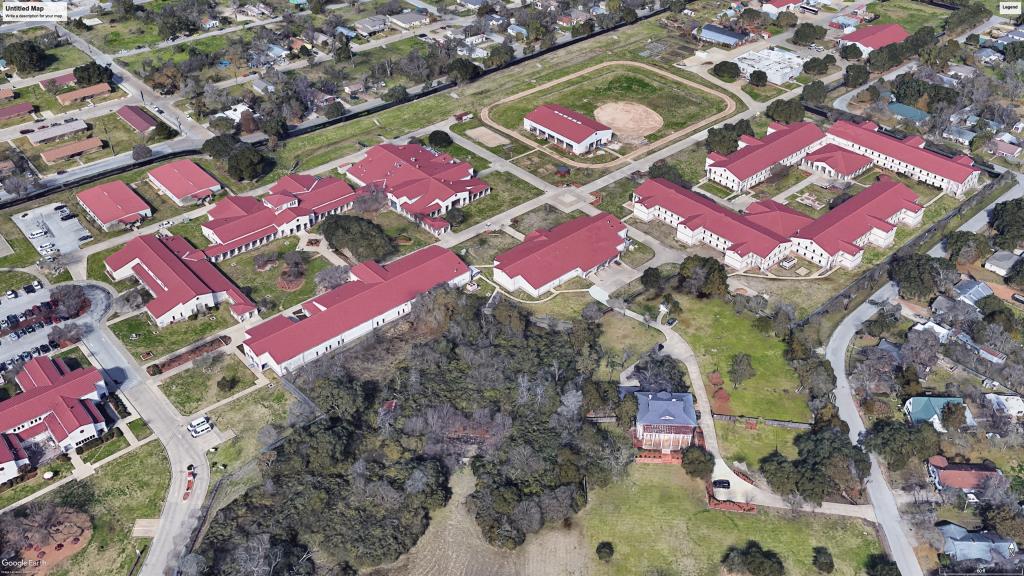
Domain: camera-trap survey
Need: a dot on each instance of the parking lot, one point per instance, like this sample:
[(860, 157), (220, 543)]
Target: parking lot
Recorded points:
[(13, 348), (65, 235)]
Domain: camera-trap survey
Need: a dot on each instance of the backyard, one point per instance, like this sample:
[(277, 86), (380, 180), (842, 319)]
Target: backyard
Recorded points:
[(507, 191), (146, 342), (717, 334), (624, 341), (659, 523), (196, 388), (263, 285)]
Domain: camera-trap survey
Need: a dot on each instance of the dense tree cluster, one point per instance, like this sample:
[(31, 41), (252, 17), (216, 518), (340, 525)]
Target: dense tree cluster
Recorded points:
[(1007, 220), (752, 559), (703, 277), (92, 73), (26, 56), (827, 466), (901, 443), (786, 111), (726, 70), (856, 75), (966, 247), (724, 140), (920, 276), (912, 91), (890, 56), (807, 33), (241, 159), (967, 16), (363, 238)]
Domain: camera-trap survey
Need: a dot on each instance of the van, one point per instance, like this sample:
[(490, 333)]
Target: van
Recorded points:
[(198, 422), (37, 233), (201, 429), (1018, 298), (47, 245)]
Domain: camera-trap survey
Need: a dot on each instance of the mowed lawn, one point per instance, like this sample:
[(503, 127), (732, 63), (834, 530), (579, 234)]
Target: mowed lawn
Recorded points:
[(909, 14), (245, 417), (658, 521), (678, 104), (507, 192), (742, 444), (624, 341), (717, 334), (131, 487), (195, 388), (242, 271), (142, 337)]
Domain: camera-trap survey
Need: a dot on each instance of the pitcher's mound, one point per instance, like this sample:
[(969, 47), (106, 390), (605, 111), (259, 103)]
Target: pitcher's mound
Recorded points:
[(487, 137), (630, 121)]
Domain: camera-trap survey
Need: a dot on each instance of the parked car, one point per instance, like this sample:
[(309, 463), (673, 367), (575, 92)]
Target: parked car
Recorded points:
[(26, 131), (721, 484), (85, 238), (38, 285), (29, 329), (29, 289), (12, 294), (44, 348), (59, 207), (68, 216)]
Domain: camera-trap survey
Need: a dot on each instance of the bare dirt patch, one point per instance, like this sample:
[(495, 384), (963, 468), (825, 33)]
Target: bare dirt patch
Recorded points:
[(454, 546), (487, 137), (631, 122)]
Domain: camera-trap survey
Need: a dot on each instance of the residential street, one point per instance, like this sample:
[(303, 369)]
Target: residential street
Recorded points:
[(898, 542)]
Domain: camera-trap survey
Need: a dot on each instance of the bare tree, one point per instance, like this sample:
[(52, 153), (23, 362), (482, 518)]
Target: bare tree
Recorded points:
[(70, 299), (332, 277)]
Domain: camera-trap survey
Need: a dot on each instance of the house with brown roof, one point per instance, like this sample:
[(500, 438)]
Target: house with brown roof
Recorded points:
[(964, 476), (71, 150), (83, 93)]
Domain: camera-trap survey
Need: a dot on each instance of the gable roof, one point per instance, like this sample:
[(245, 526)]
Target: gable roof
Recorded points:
[(175, 273), (961, 475), (568, 123), (54, 392), (112, 202), (184, 179), (15, 110), (877, 36), (838, 228), (68, 150), (924, 408), (375, 290), (137, 118), (760, 232), (423, 177), (962, 544), (545, 255), (910, 151), (972, 291), (840, 159), (665, 409), (759, 154), (83, 93)]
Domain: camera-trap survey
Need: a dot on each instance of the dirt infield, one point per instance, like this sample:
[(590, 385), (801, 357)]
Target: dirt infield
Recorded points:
[(730, 108), (487, 137), (630, 121)]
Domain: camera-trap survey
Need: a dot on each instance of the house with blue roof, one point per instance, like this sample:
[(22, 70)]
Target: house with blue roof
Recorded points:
[(718, 35), (920, 409), (915, 115), (971, 291), (345, 31), (963, 545), (517, 30), (665, 421)]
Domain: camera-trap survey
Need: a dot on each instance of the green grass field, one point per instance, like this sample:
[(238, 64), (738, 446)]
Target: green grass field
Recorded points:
[(405, 232), (194, 388), (717, 334), (624, 341), (242, 271), (60, 468), (14, 280), (909, 14), (678, 105), (507, 191), (637, 254), (740, 444), (543, 216), (658, 521), (123, 491), (762, 93), (141, 64), (245, 416), (140, 428), (192, 231), (162, 341), (108, 448)]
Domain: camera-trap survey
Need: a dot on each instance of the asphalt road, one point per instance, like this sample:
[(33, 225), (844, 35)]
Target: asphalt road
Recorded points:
[(887, 512), (980, 220)]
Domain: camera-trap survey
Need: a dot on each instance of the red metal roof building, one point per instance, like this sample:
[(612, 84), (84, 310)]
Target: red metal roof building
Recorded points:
[(869, 38), (296, 202), (966, 477), (113, 205), (62, 81), (547, 258), (567, 128), (836, 162), (758, 239), (73, 96), (770, 231), (15, 110), (774, 7), (137, 118), (838, 238), (755, 159), (180, 278), (422, 185), (184, 181), (376, 295), (76, 148), (953, 175), (56, 404)]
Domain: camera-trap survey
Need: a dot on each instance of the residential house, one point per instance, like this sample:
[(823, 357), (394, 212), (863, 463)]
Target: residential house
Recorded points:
[(518, 32), (929, 409), (180, 278), (420, 184), (207, 23), (569, 129), (56, 405), (57, 132), (715, 34), (963, 476), (58, 82), (137, 118), (371, 25), (961, 136), (963, 545), (665, 421), (547, 258), (374, 296), (971, 291), (86, 93), (16, 110), (1001, 262), (276, 53), (1007, 405), (72, 150), (408, 20), (184, 182), (911, 114), (1004, 149), (354, 88), (988, 56), (114, 205), (346, 32)]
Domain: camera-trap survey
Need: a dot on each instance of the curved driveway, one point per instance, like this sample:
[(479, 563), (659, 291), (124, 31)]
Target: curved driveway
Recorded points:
[(730, 109), (887, 512)]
